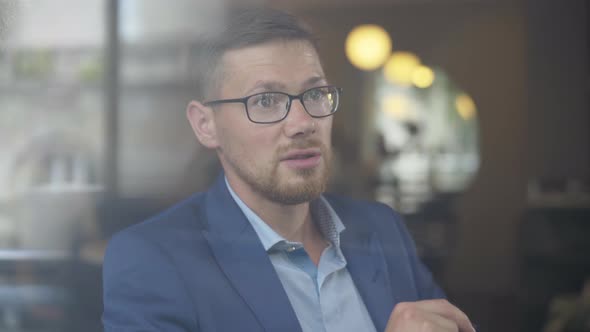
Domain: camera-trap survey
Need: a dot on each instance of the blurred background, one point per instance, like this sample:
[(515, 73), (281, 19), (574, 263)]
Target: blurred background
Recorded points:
[(471, 117)]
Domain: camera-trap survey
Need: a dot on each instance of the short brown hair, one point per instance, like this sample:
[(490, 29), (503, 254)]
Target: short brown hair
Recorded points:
[(245, 27)]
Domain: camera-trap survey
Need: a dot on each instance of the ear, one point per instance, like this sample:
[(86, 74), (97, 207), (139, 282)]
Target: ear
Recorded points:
[(203, 124)]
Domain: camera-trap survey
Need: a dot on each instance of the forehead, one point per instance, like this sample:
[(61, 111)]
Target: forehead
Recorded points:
[(286, 64)]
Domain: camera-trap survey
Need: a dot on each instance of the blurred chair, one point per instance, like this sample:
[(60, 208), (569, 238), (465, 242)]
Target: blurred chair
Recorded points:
[(555, 259)]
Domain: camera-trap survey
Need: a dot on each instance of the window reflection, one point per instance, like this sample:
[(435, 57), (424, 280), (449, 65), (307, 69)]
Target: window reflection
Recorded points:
[(157, 64), (51, 138), (427, 141)]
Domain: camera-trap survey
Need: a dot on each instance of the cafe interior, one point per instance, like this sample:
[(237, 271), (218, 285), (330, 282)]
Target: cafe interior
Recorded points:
[(469, 117)]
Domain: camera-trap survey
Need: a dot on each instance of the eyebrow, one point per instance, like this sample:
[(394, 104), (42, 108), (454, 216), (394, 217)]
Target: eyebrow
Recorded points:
[(313, 80), (277, 86), (268, 86)]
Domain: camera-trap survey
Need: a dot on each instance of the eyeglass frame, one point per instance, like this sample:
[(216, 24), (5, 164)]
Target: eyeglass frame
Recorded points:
[(244, 100)]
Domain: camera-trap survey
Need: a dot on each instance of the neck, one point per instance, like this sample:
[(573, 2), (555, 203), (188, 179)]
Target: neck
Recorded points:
[(291, 221)]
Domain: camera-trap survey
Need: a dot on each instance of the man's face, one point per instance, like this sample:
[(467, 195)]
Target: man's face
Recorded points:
[(286, 162)]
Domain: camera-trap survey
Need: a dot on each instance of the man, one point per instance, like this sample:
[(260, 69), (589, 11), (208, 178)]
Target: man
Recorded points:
[(264, 249)]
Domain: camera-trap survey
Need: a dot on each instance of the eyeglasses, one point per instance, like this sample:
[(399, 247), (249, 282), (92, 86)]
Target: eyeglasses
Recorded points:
[(270, 107)]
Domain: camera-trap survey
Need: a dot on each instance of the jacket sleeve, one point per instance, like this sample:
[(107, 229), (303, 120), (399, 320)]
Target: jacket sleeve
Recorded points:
[(142, 290), (425, 285)]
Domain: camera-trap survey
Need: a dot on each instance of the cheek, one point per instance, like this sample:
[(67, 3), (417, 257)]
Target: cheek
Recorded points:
[(231, 130), (326, 129), (261, 143), (251, 142)]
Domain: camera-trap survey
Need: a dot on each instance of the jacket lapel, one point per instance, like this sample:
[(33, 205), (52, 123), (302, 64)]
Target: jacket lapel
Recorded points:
[(366, 264), (244, 261)]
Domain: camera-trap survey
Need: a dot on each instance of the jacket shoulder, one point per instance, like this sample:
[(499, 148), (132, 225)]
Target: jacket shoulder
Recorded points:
[(371, 213), (185, 214)]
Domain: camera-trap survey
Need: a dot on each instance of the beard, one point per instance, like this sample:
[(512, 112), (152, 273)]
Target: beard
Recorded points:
[(299, 186)]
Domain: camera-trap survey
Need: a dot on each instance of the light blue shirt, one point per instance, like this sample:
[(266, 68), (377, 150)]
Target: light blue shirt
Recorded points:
[(323, 297)]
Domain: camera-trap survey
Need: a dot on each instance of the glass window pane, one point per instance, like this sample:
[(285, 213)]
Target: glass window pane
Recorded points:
[(158, 153), (51, 138)]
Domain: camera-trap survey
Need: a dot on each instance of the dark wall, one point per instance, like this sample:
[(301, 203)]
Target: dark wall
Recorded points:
[(559, 88)]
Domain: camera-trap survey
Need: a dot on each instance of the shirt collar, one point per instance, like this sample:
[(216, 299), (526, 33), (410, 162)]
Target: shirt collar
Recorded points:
[(321, 212)]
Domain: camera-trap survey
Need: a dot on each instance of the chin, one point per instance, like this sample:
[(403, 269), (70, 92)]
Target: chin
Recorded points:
[(300, 190)]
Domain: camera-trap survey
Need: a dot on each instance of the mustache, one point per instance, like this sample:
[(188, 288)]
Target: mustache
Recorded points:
[(307, 144)]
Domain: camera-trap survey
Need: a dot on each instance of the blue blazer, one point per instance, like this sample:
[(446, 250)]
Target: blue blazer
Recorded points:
[(200, 266)]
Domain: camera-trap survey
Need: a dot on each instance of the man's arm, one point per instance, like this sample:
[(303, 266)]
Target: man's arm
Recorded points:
[(426, 286), (142, 289), (432, 313)]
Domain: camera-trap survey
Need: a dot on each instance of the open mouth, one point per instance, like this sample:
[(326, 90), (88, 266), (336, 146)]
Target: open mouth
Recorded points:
[(303, 156), (303, 159)]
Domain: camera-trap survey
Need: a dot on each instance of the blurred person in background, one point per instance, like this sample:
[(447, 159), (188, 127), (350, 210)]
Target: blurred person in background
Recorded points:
[(264, 248)]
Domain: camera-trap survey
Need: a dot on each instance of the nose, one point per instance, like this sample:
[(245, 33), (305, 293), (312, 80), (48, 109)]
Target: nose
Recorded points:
[(298, 121)]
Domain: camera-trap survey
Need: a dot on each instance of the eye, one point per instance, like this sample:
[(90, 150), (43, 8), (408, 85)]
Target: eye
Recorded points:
[(315, 94), (265, 100)]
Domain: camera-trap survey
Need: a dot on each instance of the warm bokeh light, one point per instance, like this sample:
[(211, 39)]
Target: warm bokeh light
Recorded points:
[(400, 67), (422, 77), (368, 46), (396, 106), (465, 106)]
